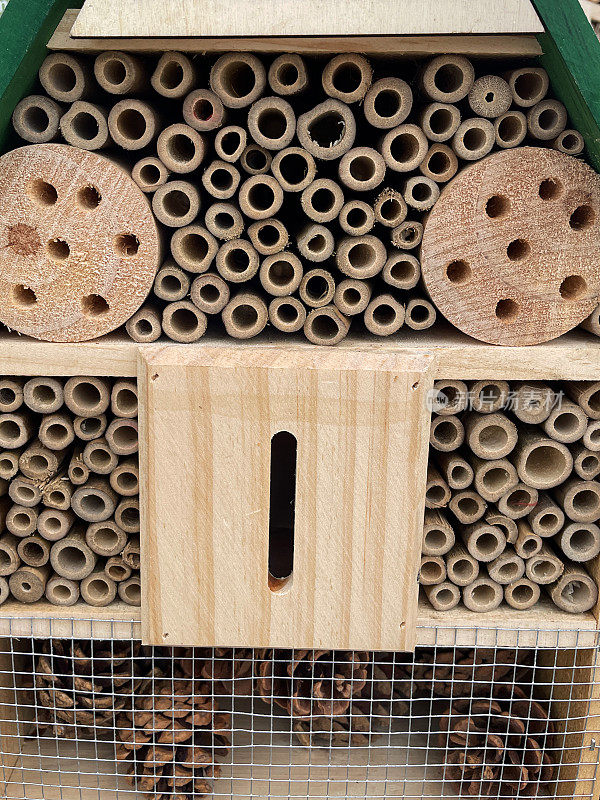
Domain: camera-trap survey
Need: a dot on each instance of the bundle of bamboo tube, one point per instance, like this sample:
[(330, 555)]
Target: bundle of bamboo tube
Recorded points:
[(69, 483), (292, 193), (512, 501)]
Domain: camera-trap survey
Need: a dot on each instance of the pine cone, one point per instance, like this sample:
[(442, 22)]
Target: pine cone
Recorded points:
[(229, 671), (309, 683), (81, 684), (349, 729), (172, 739), (497, 746)]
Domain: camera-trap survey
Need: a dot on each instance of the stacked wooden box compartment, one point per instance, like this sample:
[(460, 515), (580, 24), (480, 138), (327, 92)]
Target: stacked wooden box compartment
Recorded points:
[(175, 377)]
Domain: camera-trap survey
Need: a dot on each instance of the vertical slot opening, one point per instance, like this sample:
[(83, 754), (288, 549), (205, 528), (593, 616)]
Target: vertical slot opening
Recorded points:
[(282, 505)]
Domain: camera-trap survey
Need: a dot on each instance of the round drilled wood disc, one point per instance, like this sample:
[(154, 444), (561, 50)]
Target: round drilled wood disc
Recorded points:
[(511, 250), (78, 242)]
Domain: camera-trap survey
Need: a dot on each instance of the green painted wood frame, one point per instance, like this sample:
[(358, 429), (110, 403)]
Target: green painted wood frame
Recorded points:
[(571, 57)]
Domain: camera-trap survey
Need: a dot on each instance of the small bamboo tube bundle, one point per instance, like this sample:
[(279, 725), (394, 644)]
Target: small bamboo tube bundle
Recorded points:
[(326, 163), (512, 498), (70, 484)]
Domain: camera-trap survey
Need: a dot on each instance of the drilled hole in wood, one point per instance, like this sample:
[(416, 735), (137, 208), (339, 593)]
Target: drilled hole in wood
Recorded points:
[(88, 197), (126, 244), (497, 206), (507, 310), (93, 305), (574, 287), (518, 249), (23, 296), (282, 502), (550, 189), (58, 249), (583, 217), (42, 193), (458, 272)]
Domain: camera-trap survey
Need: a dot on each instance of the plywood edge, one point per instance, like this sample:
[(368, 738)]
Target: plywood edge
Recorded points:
[(42, 620)]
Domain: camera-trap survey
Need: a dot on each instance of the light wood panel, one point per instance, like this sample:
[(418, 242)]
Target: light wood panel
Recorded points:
[(500, 46), (206, 423), (43, 620)]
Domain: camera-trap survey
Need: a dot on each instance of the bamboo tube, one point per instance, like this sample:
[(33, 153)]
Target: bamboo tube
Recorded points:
[(36, 119), (356, 218), (125, 479), (533, 401), (490, 436), (440, 163), (347, 77), (444, 596), (54, 523), (268, 236), (528, 543), (420, 192), (493, 478), (119, 73), (482, 595), (389, 208), (387, 103), (490, 96), (361, 169), (510, 129), (586, 463), (9, 557), (316, 288), (56, 493), (149, 173), (360, 256), (455, 469), (432, 570), (420, 314), (541, 462), (130, 591), (407, 235), (544, 567), (98, 589), (528, 85), (131, 553), (221, 180), (467, 506), (474, 139), (61, 591), (27, 584), (287, 314), (88, 428), (322, 201), (352, 296), (518, 501), (461, 567), (106, 538), (95, 501), (570, 142), (16, 429), (230, 142), (438, 534), (507, 568), (124, 398), (34, 551), (328, 130), (181, 148), (294, 168), (384, 315), (272, 122), (575, 591), (71, 557), (566, 422), (238, 79), (237, 261), (203, 110), (287, 75), (326, 325), (255, 160), (245, 316), (99, 458), (546, 519), (25, 491), (580, 500), (20, 520), (11, 394), (183, 322), (77, 470), (194, 248), (127, 515), (65, 77), (56, 431), (116, 569), (9, 464), (487, 397), (176, 203), (591, 437), (404, 147), (484, 542), (88, 396), (446, 433), (133, 124), (144, 325), (439, 121), (546, 120), (281, 274), (580, 541), (315, 243), (586, 395), (447, 78), (122, 436), (174, 75), (451, 397), (39, 462), (210, 293), (522, 594), (437, 493), (85, 125), (224, 221)]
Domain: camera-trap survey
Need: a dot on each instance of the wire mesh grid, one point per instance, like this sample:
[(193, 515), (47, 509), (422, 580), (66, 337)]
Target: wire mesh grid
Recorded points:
[(114, 719)]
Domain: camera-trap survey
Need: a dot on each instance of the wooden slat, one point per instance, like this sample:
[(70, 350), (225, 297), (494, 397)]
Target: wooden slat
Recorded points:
[(501, 46), (206, 423), (43, 620)]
